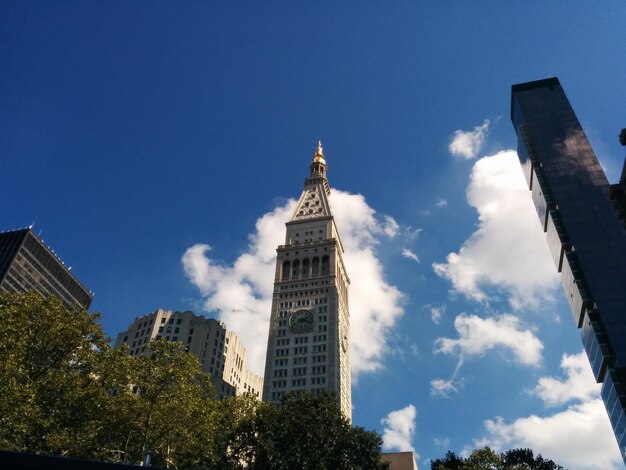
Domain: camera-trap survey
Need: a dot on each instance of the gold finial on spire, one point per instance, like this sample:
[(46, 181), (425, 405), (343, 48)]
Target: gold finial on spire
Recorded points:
[(319, 153)]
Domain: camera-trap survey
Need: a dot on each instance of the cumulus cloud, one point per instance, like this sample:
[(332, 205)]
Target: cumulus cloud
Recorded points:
[(584, 428), (579, 383), (241, 293), (399, 428), (467, 144), (410, 255), (508, 252), (583, 425), (478, 335)]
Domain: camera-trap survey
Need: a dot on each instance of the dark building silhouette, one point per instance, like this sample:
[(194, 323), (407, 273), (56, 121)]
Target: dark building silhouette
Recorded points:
[(27, 264), (584, 231)]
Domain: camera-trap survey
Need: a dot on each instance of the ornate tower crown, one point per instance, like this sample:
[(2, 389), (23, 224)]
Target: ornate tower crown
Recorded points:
[(318, 165)]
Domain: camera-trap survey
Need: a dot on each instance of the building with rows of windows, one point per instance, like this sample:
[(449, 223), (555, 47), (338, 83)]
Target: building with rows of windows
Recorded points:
[(219, 351), (308, 343), (583, 228), (27, 264)]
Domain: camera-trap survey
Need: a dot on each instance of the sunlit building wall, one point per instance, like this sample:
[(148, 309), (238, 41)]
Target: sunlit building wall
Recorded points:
[(219, 351)]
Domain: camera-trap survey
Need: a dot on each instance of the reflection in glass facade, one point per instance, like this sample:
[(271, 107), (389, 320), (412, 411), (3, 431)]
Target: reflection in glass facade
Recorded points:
[(27, 264), (584, 232)]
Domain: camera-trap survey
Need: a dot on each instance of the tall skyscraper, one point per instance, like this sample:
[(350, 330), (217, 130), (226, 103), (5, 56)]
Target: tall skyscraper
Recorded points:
[(219, 351), (308, 345), (584, 232), (27, 264)]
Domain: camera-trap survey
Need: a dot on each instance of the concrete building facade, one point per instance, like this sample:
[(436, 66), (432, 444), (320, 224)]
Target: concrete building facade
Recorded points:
[(308, 346), (219, 351), (584, 232), (27, 264)]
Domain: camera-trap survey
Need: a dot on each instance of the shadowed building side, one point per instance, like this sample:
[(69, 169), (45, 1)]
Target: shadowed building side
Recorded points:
[(584, 232), (27, 264)]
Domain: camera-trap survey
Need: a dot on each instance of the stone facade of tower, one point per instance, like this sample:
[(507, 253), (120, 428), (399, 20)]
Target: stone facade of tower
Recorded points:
[(308, 347)]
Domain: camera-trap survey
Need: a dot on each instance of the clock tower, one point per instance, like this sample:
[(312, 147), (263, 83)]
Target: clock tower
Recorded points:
[(308, 347)]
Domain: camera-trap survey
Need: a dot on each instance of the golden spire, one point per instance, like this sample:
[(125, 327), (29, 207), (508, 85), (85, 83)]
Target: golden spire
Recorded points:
[(319, 153)]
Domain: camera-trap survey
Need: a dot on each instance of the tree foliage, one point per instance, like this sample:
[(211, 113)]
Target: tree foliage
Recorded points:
[(64, 391), (486, 459), (304, 432)]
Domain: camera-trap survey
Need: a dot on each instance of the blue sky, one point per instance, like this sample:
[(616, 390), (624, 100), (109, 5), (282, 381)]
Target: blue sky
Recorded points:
[(135, 135)]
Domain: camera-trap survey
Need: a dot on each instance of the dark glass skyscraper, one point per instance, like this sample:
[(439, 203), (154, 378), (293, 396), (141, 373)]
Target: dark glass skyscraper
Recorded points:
[(584, 232), (27, 264)]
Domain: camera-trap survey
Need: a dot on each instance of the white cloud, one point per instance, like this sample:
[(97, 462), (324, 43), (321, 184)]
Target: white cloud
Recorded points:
[(410, 255), (241, 293), (508, 252), (467, 144), (479, 335), (391, 227), (399, 428), (442, 388), (578, 385), (443, 443), (579, 438), (436, 313), (583, 427), (441, 203)]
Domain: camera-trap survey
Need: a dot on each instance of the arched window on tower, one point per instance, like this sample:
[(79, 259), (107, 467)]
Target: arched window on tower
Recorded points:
[(286, 267), (315, 266), (296, 268), (325, 264), (305, 267)]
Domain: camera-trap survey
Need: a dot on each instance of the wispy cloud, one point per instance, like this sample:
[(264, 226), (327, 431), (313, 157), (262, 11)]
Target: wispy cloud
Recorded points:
[(410, 255), (441, 203), (241, 293), (478, 335), (508, 252), (391, 227), (399, 427), (467, 144), (443, 388), (436, 313)]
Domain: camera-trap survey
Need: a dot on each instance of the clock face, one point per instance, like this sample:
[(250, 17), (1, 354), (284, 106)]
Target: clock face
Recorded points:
[(301, 321)]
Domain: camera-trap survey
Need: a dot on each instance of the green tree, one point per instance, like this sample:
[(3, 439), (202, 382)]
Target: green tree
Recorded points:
[(525, 459), (486, 459), (167, 408), (303, 432), (64, 391), (50, 391)]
